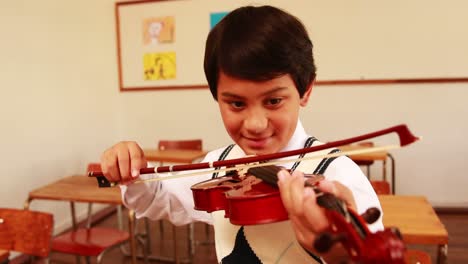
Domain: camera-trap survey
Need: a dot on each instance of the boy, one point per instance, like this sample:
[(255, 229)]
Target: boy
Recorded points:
[(260, 69)]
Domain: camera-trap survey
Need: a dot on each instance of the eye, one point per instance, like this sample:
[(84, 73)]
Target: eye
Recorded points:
[(237, 104), (274, 101)]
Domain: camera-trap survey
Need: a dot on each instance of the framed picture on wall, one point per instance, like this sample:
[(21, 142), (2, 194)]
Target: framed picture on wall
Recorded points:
[(160, 45)]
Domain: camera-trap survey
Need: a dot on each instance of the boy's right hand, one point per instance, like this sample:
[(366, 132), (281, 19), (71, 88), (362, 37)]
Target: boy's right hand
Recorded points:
[(122, 162)]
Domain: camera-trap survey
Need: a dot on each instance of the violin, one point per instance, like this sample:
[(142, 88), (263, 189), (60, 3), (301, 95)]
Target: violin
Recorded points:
[(254, 198), (252, 192)]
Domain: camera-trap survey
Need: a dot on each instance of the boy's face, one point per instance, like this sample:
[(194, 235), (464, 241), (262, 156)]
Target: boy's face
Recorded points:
[(260, 117)]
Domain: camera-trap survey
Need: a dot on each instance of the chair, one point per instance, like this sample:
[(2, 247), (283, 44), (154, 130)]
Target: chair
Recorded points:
[(380, 186), (89, 241), (366, 163), (26, 231), (413, 256)]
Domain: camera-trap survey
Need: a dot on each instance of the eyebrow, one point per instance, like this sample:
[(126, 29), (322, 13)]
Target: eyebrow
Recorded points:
[(272, 91)]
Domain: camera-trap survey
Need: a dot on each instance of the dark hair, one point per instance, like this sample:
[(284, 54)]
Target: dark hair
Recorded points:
[(259, 44)]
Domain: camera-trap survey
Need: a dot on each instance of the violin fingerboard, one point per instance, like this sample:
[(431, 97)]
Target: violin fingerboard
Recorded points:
[(266, 173), (329, 201)]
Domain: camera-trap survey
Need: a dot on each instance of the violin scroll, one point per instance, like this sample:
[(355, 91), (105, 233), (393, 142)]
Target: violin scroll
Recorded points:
[(349, 229)]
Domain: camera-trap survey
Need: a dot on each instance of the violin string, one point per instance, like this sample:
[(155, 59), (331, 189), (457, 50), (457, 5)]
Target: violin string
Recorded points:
[(161, 177)]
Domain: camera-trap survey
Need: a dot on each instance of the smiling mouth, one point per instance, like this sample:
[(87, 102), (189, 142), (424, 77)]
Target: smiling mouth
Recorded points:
[(257, 143)]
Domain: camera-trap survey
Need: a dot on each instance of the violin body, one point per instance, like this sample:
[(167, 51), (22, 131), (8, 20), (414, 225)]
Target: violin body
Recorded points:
[(246, 201)]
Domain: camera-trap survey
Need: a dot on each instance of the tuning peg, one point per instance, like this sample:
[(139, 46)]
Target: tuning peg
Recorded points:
[(371, 215), (326, 240)]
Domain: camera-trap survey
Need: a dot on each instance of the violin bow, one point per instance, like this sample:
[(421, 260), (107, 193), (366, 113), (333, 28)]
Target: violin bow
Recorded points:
[(404, 135)]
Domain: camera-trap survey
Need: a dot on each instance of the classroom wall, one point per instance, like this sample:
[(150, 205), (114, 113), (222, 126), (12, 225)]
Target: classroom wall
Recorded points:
[(61, 107), (59, 95)]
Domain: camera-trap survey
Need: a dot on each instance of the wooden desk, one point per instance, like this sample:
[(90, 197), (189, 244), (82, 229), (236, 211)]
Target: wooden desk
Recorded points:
[(173, 155), (416, 220), (4, 254), (80, 188)]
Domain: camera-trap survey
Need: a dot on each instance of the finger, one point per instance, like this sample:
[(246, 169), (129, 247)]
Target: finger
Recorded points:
[(109, 166), (123, 158), (285, 185), (297, 193), (311, 222), (314, 213), (137, 159), (340, 191), (284, 182), (293, 192)]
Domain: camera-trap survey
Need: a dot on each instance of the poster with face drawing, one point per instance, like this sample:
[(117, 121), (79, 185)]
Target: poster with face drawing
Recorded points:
[(157, 30)]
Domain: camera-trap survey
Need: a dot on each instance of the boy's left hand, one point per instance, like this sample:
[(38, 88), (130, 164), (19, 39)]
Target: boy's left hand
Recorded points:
[(307, 217)]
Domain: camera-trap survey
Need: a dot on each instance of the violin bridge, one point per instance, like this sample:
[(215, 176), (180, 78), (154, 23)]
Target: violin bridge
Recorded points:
[(243, 169)]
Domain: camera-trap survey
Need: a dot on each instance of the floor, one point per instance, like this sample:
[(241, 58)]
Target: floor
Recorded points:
[(162, 243)]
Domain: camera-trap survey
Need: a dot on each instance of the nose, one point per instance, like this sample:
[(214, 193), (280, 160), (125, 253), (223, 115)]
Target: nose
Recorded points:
[(256, 121)]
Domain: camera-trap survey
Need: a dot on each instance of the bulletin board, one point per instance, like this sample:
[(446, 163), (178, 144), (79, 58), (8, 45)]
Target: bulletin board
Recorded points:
[(160, 43)]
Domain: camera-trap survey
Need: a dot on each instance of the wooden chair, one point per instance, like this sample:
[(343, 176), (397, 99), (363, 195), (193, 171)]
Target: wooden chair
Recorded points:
[(380, 186), (25, 231), (366, 163), (413, 256), (89, 241)]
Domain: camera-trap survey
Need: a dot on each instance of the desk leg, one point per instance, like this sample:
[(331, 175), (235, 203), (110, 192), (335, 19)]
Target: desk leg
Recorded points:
[(384, 169), (131, 230), (27, 203), (392, 160), (134, 236), (174, 235), (442, 254), (191, 242), (73, 215)]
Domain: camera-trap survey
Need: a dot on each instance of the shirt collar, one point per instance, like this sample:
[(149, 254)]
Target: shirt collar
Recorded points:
[(298, 139)]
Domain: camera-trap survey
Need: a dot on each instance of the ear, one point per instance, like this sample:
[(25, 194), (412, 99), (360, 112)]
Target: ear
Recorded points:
[(305, 98)]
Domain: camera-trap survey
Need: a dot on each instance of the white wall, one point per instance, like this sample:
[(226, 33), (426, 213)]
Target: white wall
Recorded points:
[(59, 95), (60, 106)]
